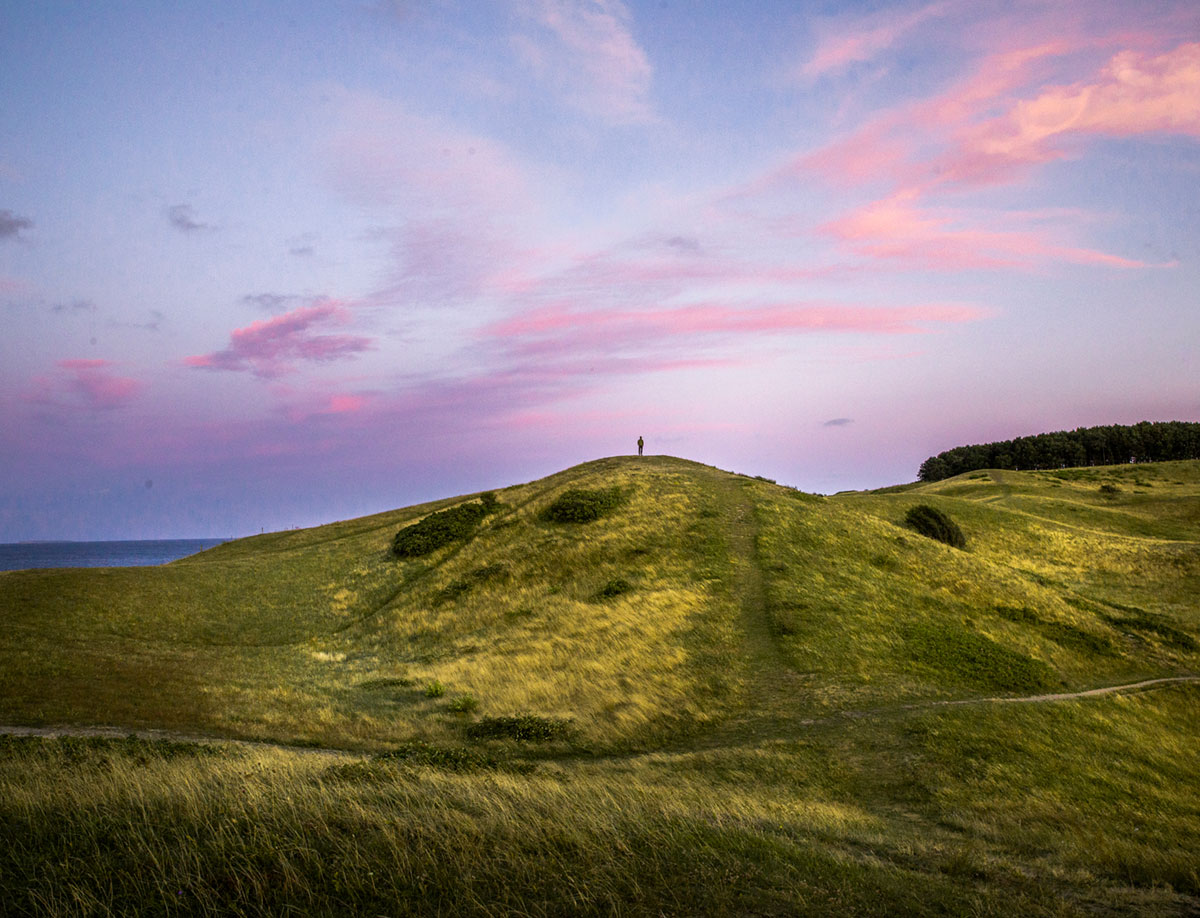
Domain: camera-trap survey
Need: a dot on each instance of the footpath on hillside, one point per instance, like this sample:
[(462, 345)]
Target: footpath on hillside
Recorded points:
[(771, 687), (740, 727)]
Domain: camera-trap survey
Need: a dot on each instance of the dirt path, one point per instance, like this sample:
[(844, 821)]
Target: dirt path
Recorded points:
[(739, 726), (106, 732), (1068, 696), (771, 685)]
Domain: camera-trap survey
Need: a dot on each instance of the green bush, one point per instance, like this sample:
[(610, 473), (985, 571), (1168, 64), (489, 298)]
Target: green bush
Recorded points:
[(523, 727), (463, 704), (435, 689), (582, 505), (615, 587), (451, 758), (460, 586), (438, 529), (932, 522)]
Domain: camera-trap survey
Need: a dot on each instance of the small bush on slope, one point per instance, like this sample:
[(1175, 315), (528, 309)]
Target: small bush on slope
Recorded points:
[(438, 529), (582, 505), (932, 522), (522, 727)]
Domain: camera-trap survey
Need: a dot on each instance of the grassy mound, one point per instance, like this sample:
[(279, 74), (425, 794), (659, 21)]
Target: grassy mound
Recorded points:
[(775, 707)]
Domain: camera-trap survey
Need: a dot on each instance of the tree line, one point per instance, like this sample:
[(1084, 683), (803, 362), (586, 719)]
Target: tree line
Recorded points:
[(1148, 441)]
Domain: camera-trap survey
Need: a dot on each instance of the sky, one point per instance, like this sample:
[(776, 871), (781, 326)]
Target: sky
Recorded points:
[(269, 265)]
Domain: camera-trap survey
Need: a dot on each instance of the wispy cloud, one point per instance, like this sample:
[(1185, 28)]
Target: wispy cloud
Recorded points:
[(386, 156), (561, 329), (74, 307), (152, 324), (901, 228), (991, 129), (585, 50), (183, 218), (270, 348), (279, 302), (84, 383), (1134, 94), (12, 225), (838, 422), (844, 43), (302, 246)]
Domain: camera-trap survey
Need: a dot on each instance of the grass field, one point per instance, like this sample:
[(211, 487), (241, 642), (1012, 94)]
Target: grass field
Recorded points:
[(735, 698)]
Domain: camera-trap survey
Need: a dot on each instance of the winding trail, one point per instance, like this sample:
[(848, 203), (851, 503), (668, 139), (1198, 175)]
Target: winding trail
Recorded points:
[(1068, 696), (740, 722)]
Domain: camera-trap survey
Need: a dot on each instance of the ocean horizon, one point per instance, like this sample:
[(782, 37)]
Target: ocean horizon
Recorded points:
[(17, 556)]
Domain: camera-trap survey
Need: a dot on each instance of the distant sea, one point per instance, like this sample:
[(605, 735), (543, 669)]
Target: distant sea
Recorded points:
[(21, 555)]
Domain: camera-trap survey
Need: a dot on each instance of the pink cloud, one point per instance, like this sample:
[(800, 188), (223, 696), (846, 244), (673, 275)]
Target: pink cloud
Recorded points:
[(898, 227), (563, 329), (990, 133), (346, 404), (267, 347), (586, 50), (901, 144), (992, 128), (85, 383), (300, 406), (1134, 94)]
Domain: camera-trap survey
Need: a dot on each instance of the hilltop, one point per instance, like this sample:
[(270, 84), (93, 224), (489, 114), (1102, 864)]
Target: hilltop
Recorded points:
[(814, 675)]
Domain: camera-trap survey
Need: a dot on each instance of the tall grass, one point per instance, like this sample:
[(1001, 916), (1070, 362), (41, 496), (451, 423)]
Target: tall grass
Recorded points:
[(994, 811)]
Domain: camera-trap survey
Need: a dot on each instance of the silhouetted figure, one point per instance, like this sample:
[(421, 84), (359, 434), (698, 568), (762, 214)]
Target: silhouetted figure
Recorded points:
[(641, 443)]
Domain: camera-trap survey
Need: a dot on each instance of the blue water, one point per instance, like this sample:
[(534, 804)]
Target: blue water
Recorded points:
[(21, 555)]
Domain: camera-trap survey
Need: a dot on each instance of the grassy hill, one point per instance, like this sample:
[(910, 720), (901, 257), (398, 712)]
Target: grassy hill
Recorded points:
[(756, 700)]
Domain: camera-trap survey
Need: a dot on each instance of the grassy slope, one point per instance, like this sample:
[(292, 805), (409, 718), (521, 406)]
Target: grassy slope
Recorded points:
[(715, 758)]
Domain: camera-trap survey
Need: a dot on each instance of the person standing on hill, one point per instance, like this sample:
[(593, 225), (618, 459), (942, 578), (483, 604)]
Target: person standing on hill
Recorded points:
[(641, 443)]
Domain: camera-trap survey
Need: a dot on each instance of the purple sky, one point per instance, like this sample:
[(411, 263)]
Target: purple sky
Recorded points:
[(266, 265)]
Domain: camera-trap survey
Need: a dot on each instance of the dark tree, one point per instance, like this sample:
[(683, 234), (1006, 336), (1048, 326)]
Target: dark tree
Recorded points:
[(1158, 441)]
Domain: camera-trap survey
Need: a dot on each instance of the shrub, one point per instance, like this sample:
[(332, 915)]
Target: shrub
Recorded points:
[(582, 505), (614, 587), (452, 591), (438, 529), (451, 758), (523, 727), (464, 704), (932, 522), (463, 585), (435, 689), (490, 502), (1109, 490)]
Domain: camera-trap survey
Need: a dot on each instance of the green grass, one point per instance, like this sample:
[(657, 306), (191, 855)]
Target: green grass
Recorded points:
[(718, 696)]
